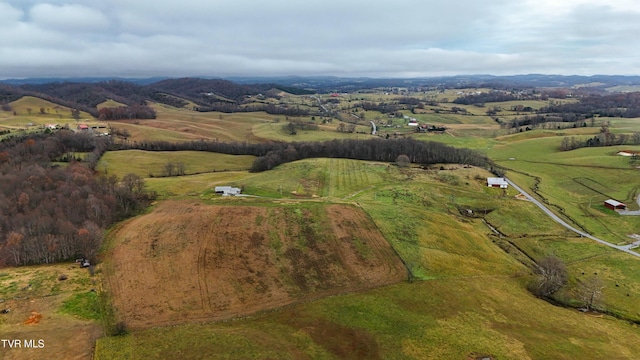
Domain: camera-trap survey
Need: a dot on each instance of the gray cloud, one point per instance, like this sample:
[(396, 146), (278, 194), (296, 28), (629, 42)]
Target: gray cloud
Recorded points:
[(329, 37)]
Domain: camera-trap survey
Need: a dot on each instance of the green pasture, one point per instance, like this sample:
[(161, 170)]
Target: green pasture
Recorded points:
[(479, 143), (577, 182), (306, 178), (152, 163), (468, 298), (454, 318), (194, 185)]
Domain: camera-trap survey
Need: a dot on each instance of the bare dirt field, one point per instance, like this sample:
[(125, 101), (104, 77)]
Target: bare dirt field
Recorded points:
[(191, 262)]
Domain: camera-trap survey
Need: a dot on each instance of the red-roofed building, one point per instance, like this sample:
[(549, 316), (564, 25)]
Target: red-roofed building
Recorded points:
[(615, 205)]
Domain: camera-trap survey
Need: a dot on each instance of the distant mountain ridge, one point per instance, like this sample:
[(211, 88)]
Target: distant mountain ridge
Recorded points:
[(85, 93)]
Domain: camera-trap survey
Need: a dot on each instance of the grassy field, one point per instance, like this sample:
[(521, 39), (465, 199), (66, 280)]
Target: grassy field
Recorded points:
[(28, 114), (152, 163), (577, 182), (174, 124), (439, 319), (468, 298), (275, 131)]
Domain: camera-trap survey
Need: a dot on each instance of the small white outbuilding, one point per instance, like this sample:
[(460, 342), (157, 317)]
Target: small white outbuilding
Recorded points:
[(227, 190), (497, 182)]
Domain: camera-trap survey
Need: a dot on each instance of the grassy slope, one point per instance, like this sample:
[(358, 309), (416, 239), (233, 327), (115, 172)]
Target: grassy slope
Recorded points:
[(444, 319), (54, 114), (473, 302)]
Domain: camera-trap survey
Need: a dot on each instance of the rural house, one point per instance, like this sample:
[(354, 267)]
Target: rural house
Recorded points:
[(227, 190), (497, 182), (615, 205)]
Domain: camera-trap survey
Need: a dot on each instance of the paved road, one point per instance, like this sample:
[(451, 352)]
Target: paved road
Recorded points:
[(373, 132), (627, 212), (557, 219)]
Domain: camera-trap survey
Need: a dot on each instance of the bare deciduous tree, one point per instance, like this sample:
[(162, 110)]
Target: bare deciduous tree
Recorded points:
[(552, 276), (590, 292)]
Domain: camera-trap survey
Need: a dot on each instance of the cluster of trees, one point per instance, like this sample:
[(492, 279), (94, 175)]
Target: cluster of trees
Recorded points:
[(293, 126), (535, 120), (374, 150), (127, 112), (173, 169), (604, 138), (272, 154), (232, 148), (169, 100), (383, 107), (350, 128), (231, 107), (626, 105), (50, 213)]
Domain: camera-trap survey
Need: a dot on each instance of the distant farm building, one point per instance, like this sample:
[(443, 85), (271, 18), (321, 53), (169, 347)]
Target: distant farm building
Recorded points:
[(83, 127), (497, 182), (615, 205), (227, 190)]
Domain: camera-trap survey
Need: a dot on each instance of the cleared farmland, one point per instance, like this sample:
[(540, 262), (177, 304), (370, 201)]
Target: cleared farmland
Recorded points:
[(187, 261)]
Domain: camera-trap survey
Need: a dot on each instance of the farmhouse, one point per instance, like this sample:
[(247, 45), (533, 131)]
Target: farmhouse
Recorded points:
[(227, 190), (497, 182), (615, 205)]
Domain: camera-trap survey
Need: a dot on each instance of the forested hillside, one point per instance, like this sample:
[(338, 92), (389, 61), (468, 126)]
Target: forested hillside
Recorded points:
[(50, 212)]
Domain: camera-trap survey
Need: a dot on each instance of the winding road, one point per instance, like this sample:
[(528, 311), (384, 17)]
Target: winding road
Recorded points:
[(624, 248)]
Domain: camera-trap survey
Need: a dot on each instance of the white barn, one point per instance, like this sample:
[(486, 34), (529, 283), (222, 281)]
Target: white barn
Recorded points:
[(227, 190), (497, 182)]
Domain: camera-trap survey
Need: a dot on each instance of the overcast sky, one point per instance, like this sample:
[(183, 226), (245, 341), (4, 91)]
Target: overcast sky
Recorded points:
[(401, 38)]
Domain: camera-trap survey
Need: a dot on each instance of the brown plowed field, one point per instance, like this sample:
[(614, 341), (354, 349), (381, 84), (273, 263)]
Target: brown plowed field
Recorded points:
[(188, 261)]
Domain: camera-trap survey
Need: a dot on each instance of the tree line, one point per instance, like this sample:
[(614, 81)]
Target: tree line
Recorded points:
[(49, 212), (127, 112), (271, 154), (231, 107), (626, 105), (386, 150), (604, 138)]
